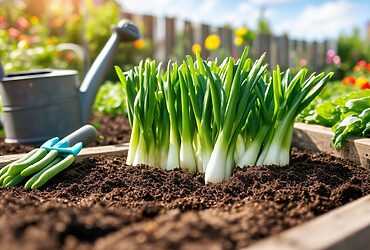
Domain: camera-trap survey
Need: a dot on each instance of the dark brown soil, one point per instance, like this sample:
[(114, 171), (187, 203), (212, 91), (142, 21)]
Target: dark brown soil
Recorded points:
[(111, 130), (101, 203)]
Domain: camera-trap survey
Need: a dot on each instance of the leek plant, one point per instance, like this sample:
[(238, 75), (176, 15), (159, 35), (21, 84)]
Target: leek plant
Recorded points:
[(210, 117)]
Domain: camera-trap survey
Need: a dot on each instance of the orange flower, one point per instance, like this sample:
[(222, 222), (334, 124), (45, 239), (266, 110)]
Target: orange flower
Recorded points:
[(356, 68), (361, 81), (22, 37), (139, 44), (368, 67), (57, 22), (348, 80)]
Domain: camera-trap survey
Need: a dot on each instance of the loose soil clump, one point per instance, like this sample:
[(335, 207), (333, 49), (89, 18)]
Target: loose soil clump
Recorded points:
[(101, 203)]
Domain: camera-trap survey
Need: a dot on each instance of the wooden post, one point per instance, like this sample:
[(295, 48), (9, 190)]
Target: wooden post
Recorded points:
[(229, 41), (263, 46), (274, 47), (325, 48), (204, 33), (292, 53), (283, 52), (127, 15), (170, 37), (149, 22), (314, 55), (304, 51), (189, 37)]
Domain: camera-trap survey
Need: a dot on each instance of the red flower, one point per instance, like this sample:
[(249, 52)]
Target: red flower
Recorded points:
[(22, 23), (69, 56), (14, 32), (348, 80), (3, 23), (362, 63), (365, 86)]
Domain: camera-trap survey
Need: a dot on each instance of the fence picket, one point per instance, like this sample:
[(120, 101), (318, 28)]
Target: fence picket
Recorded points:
[(279, 49)]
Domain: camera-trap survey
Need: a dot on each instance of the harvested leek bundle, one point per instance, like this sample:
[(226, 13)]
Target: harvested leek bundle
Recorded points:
[(210, 117)]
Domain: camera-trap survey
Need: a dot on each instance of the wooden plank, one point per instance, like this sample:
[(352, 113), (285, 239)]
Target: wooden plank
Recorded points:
[(263, 46), (347, 227), (228, 41), (189, 37), (318, 138), (314, 56), (149, 24), (170, 37), (283, 52), (127, 15), (113, 150), (273, 52), (205, 30)]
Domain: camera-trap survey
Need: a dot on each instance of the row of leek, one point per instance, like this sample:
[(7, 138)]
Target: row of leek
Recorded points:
[(211, 117)]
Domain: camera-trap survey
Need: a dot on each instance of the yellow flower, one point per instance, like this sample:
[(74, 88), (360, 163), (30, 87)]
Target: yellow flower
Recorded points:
[(52, 40), (23, 44), (34, 20), (139, 44), (242, 31), (212, 42), (360, 82), (196, 48), (238, 41)]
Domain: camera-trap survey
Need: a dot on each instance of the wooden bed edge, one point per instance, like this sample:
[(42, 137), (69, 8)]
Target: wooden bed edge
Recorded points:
[(347, 227), (318, 138)]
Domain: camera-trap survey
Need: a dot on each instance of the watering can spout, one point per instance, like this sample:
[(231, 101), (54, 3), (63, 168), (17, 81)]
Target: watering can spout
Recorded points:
[(124, 31)]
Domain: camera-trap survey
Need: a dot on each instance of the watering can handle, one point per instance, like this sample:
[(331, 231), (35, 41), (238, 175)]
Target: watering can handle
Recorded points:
[(85, 134), (127, 31)]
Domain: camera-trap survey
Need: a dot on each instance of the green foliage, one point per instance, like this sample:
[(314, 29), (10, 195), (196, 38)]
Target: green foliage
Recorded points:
[(347, 114), (111, 99)]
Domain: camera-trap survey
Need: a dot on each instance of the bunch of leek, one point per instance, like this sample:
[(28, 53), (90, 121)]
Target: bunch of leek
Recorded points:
[(211, 117)]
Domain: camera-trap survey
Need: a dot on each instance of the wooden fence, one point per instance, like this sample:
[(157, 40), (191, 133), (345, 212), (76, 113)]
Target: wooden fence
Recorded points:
[(171, 38)]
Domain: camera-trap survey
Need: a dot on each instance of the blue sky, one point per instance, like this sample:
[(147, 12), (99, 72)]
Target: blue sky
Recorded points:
[(310, 20)]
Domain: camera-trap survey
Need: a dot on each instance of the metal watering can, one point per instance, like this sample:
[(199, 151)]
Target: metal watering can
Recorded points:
[(41, 104)]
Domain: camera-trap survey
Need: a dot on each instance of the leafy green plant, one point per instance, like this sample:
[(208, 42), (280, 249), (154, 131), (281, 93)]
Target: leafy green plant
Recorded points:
[(111, 99), (347, 115)]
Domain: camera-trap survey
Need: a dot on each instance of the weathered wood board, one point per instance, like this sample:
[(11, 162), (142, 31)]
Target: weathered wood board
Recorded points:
[(347, 227), (318, 138)]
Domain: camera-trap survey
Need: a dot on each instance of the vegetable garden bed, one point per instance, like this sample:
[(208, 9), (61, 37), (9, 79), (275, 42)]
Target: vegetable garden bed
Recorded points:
[(101, 203)]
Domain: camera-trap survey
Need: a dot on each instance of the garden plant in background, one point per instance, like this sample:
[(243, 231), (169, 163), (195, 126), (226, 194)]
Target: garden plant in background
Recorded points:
[(211, 116), (344, 106)]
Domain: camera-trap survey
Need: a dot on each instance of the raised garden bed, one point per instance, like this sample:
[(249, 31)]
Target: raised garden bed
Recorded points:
[(100, 203)]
